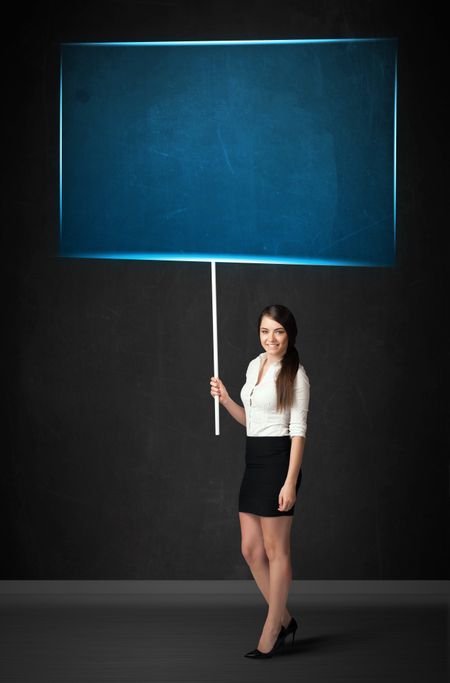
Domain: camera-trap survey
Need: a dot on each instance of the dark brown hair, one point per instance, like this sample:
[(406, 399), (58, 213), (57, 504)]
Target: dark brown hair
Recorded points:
[(290, 361)]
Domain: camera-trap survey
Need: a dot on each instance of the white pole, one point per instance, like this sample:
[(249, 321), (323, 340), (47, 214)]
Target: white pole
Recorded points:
[(215, 352)]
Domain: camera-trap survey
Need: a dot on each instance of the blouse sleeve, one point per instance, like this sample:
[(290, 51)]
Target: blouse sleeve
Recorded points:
[(300, 406)]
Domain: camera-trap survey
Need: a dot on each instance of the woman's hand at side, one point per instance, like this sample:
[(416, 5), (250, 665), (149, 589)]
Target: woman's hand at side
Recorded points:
[(286, 497)]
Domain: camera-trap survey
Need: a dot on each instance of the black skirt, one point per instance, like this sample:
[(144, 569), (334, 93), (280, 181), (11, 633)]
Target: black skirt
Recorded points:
[(266, 468)]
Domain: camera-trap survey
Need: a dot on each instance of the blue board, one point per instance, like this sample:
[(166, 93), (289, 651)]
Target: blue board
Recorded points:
[(264, 151)]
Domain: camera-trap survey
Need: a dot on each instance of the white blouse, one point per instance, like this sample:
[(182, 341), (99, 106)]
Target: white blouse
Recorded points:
[(260, 402)]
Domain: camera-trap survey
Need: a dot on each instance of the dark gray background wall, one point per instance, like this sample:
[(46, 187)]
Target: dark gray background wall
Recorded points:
[(112, 469)]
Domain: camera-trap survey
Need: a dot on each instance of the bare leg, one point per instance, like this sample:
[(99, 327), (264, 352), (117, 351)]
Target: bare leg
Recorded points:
[(256, 557), (276, 532)]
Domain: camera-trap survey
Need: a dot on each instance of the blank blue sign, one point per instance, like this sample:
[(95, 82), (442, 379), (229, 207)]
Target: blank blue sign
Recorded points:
[(264, 151)]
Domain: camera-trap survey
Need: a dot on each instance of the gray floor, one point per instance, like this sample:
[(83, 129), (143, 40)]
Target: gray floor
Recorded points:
[(178, 638)]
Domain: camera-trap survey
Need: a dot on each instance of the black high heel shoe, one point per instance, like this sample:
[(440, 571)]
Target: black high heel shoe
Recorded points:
[(290, 628), (257, 654)]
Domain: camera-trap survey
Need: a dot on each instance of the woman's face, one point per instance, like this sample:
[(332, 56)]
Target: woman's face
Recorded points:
[(273, 338)]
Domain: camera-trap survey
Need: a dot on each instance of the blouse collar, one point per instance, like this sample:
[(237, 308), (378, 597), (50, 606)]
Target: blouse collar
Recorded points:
[(264, 355)]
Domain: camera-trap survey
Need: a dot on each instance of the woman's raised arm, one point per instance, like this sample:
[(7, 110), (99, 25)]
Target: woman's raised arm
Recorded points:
[(218, 389)]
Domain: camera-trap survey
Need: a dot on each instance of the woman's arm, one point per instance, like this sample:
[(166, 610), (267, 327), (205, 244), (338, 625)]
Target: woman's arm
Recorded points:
[(287, 495), (298, 426), (295, 461), (235, 410)]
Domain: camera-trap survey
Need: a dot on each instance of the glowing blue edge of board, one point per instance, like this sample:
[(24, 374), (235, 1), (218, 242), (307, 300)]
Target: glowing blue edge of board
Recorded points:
[(238, 42), (219, 258), (226, 258)]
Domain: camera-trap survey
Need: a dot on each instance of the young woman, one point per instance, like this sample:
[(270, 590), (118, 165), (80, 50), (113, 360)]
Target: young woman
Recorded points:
[(276, 400)]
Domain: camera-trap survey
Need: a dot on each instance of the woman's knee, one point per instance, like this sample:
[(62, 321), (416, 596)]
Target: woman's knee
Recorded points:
[(277, 551), (253, 552)]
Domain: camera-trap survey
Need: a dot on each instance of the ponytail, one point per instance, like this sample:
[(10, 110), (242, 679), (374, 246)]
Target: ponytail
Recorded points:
[(286, 378)]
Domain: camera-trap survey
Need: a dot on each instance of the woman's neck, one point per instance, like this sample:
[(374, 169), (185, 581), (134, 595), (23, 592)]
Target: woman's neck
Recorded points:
[(271, 360)]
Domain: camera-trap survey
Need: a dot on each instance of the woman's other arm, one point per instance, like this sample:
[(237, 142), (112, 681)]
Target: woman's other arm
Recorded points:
[(298, 425), (235, 410)]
